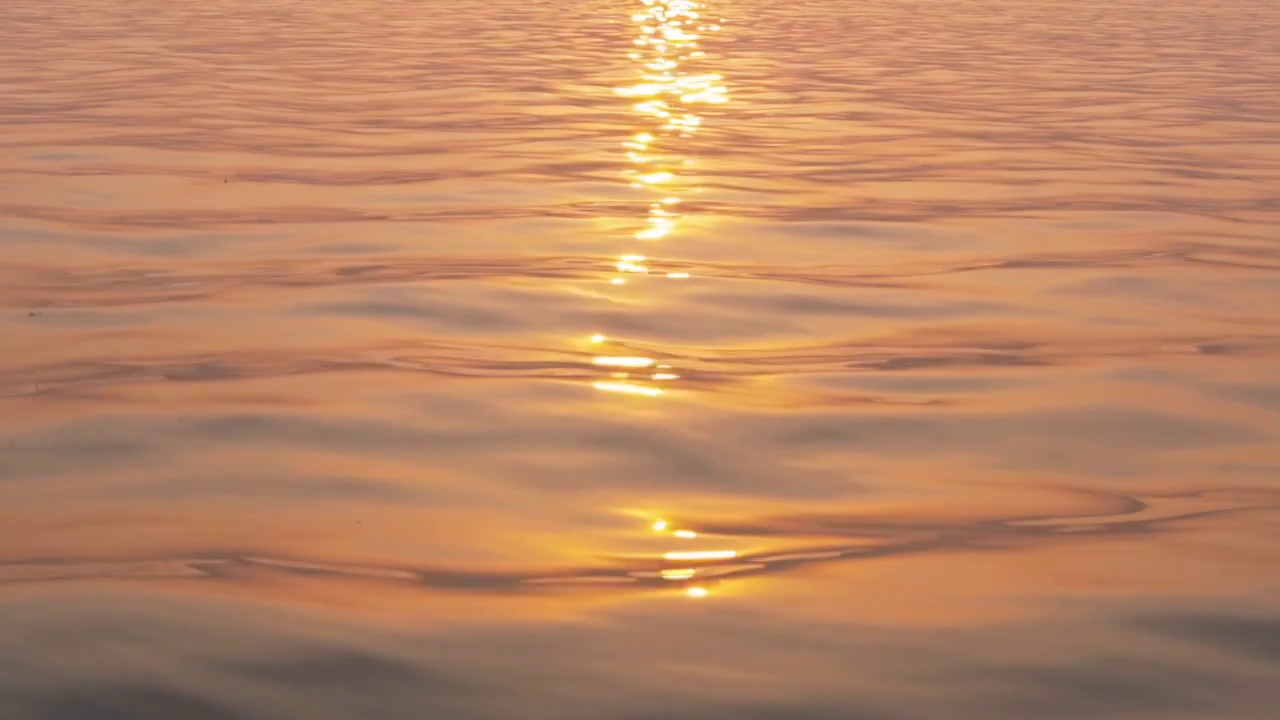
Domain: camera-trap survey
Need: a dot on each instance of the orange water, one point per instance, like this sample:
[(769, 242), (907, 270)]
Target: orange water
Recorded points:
[(610, 359)]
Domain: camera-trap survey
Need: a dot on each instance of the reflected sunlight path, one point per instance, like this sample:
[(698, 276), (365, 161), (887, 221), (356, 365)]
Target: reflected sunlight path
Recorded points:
[(669, 87)]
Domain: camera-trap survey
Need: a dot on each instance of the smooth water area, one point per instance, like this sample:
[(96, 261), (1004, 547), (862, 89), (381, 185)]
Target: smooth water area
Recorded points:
[(640, 360)]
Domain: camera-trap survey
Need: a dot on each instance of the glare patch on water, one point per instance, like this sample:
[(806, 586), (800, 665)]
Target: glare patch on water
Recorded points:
[(700, 555), (667, 93), (626, 388)]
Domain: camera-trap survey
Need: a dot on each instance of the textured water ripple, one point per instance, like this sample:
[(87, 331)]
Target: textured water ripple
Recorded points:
[(707, 369), (370, 302), (103, 285), (812, 540)]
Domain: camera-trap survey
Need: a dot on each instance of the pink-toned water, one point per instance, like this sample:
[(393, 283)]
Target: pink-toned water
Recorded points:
[(639, 360)]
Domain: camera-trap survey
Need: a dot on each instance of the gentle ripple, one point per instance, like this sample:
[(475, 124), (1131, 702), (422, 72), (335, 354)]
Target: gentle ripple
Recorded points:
[(639, 358)]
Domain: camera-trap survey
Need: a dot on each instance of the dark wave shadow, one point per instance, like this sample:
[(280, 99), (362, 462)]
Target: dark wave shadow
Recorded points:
[(818, 540), (1249, 212), (110, 286), (707, 370)]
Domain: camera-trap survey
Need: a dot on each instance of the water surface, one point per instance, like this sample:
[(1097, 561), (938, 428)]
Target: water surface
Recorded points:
[(648, 359)]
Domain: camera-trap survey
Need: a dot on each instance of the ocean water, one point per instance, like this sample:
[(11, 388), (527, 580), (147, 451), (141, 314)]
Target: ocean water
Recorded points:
[(640, 360)]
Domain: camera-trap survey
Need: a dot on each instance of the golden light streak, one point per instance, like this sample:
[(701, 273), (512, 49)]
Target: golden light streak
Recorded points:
[(627, 388), (663, 94), (701, 555), (617, 361), (656, 178), (642, 90), (667, 93), (652, 234)]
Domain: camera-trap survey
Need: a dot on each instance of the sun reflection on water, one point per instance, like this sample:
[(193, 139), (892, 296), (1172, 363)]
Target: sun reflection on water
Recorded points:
[(669, 87), (705, 560), (666, 94)]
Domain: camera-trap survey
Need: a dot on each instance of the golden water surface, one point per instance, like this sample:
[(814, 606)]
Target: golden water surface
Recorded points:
[(639, 359)]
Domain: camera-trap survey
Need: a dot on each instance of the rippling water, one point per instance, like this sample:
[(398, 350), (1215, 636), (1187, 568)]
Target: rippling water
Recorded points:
[(640, 359)]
